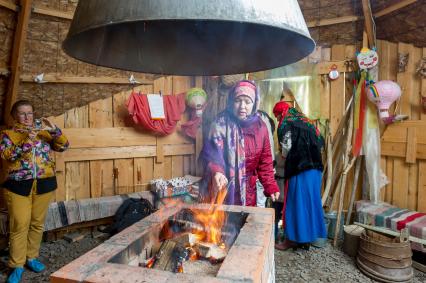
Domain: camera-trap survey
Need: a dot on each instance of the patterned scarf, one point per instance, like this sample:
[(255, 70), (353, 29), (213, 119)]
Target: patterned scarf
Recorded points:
[(291, 115), (225, 148)]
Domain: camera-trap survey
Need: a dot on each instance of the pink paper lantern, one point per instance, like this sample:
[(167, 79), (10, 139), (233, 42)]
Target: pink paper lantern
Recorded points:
[(383, 94)]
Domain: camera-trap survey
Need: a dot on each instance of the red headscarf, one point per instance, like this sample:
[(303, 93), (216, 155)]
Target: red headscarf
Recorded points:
[(281, 108)]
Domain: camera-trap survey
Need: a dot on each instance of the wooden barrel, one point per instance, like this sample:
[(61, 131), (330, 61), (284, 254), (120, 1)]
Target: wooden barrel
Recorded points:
[(351, 234), (385, 258)]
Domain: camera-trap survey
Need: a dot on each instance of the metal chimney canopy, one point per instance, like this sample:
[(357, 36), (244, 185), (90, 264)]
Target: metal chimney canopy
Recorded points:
[(189, 37)]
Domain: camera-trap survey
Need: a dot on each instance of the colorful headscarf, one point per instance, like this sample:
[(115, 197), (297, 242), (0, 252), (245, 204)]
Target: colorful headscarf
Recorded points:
[(290, 114), (245, 88), (225, 145), (236, 91), (281, 108)]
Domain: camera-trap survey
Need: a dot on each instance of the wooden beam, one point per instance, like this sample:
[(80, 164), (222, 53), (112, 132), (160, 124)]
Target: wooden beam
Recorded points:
[(323, 68), (17, 55), (117, 137), (38, 9), (53, 12), (333, 21), (107, 153), (369, 23), (398, 149), (394, 7), (199, 142), (57, 79), (9, 5)]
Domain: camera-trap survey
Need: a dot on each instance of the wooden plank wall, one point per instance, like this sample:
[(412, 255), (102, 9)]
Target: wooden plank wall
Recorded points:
[(403, 158), (109, 156), (403, 165), (335, 96)]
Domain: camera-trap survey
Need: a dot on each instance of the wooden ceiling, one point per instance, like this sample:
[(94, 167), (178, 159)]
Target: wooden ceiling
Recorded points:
[(341, 21)]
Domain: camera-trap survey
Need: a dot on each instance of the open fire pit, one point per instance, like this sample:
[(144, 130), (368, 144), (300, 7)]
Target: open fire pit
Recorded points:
[(184, 243)]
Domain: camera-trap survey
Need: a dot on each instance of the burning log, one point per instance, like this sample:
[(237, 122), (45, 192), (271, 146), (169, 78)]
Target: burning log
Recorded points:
[(149, 262), (179, 255), (164, 255), (186, 239), (212, 251)]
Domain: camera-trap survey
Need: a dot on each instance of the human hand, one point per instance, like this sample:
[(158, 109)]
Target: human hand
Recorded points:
[(275, 196), (32, 135), (49, 126), (219, 181)]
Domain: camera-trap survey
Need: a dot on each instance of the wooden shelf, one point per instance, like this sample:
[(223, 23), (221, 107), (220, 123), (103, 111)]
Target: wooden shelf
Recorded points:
[(333, 21), (58, 79)]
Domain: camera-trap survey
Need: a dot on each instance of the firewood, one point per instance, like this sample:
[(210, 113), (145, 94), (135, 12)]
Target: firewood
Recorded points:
[(354, 189), (346, 165), (185, 239), (164, 255), (210, 250)]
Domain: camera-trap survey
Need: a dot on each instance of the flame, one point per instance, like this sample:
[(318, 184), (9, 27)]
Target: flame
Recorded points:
[(166, 232), (150, 262), (212, 220), (208, 223), (193, 255), (180, 268)]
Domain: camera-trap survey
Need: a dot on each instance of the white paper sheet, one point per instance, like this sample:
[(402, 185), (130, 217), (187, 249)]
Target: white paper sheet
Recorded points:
[(156, 106)]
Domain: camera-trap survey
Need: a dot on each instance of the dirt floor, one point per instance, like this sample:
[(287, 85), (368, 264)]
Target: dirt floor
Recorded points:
[(55, 255), (327, 264)]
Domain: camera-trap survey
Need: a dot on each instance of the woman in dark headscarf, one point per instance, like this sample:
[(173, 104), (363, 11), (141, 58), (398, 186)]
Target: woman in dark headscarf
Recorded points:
[(237, 151), (300, 143)]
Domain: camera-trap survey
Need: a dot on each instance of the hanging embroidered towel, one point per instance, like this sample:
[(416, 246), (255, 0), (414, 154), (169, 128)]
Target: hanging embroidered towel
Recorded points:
[(174, 106)]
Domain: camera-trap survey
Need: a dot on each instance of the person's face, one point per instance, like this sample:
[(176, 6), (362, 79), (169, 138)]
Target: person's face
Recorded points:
[(279, 117), (243, 107), (25, 115)]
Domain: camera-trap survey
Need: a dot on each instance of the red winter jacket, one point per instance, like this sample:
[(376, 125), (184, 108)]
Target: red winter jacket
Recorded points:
[(259, 164)]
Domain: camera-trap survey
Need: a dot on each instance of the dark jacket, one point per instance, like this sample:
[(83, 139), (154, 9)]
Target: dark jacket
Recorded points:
[(305, 150)]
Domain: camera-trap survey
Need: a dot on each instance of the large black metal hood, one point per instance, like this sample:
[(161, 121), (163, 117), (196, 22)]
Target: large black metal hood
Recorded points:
[(189, 37)]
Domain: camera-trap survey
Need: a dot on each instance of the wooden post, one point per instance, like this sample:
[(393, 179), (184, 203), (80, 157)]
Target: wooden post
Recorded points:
[(329, 169), (354, 188), (369, 23), (199, 136), (346, 167), (17, 55), (411, 150)]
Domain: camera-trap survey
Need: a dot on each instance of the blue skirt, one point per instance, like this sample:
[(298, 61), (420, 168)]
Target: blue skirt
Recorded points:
[(304, 216)]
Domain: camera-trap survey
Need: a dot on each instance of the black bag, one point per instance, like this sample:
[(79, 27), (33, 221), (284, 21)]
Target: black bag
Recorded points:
[(130, 211)]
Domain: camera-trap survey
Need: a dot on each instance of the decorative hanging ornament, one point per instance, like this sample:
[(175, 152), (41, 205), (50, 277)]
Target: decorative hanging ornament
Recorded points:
[(383, 94), (421, 69), (367, 58), (196, 98), (334, 73)]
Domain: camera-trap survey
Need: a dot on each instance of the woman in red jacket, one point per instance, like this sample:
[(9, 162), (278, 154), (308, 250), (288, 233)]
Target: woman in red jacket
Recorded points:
[(237, 151)]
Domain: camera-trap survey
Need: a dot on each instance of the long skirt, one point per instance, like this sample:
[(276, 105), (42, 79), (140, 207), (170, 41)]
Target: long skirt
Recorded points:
[(304, 216)]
